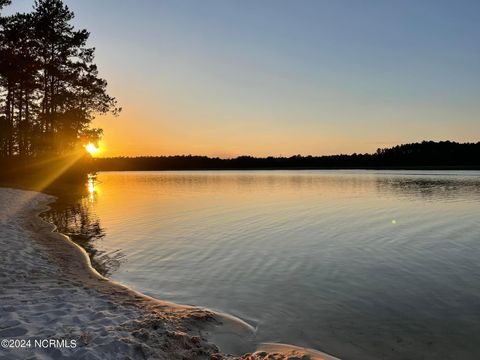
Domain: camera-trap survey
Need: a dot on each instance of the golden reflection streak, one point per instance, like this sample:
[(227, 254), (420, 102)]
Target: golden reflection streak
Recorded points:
[(92, 191)]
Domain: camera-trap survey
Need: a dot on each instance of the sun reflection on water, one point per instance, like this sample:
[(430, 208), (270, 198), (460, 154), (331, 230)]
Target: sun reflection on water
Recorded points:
[(91, 186)]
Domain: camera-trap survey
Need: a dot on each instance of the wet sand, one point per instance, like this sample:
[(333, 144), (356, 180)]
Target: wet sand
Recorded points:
[(49, 291)]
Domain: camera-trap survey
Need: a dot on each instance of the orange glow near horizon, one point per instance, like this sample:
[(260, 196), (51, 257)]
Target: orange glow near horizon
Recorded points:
[(138, 132)]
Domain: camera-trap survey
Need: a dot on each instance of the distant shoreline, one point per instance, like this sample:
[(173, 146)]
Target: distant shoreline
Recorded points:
[(427, 155), (399, 168)]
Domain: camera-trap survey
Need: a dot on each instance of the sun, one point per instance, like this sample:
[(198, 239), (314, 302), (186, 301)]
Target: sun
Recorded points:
[(91, 148)]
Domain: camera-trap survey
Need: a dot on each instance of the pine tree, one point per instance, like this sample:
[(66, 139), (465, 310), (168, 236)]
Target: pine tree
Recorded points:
[(72, 91)]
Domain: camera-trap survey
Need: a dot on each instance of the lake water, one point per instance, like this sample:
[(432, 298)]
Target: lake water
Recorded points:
[(359, 264)]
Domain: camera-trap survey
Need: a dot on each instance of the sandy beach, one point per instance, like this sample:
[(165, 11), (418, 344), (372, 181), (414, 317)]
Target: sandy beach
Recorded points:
[(53, 304)]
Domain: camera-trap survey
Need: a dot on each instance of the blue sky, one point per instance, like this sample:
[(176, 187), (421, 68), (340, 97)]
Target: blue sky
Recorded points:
[(284, 77)]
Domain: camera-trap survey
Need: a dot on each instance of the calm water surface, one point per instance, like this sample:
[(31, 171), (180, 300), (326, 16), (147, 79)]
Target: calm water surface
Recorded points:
[(359, 264)]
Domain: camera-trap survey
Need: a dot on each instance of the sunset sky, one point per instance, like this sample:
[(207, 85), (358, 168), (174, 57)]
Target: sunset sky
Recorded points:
[(275, 77)]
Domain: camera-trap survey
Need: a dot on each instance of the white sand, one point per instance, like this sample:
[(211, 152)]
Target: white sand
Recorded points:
[(48, 291)]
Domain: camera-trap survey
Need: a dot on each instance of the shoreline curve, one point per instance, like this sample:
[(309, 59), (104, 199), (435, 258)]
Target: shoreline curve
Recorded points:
[(213, 334)]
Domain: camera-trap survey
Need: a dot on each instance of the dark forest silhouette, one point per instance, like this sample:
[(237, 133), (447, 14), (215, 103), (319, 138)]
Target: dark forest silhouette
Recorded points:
[(50, 90), (428, 154)]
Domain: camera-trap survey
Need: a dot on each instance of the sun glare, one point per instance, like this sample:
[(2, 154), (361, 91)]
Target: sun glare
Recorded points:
[(91, 149)]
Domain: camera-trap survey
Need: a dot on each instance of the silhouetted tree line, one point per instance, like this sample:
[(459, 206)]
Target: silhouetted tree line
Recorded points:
[(427, 154), (49, 86)]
